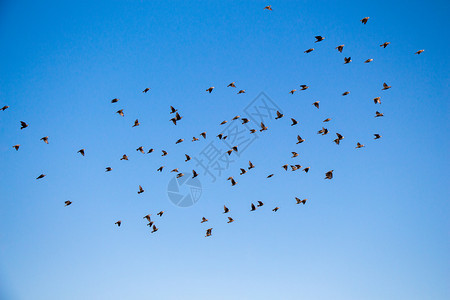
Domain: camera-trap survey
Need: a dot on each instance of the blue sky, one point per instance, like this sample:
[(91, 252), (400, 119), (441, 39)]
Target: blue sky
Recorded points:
[(378, 230)]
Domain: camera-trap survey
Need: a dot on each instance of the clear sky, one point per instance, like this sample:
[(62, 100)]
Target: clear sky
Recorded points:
[(378, 230)]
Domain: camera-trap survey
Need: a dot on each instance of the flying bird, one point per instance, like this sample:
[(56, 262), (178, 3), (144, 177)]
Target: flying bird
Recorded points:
[(204, 220), (359, 145), (386, 86), (173, 110), (4, 108), (245, 120), (141, 149), (384, 45), (340, 48), (377, 136), (124, 157), (232, 84), (420, 51), (241, 92), (329, 174), (292, 92), (225, 209), (347, 60), (210, 89), (179, 175), (327, 120), (147, 217), (345, 93), (208, 232), (45, 139), (155, 229), (164, 152), (260, 204), (364, 20), (136, 123), (23, 125), (115, 100), (141, 190), (108, 169), (299, 140), (243, 171), (67, 203), (179, 141), (294, 122), (378, 114), (150, 151), (304, 87), (194, 174), (146, 90), (120, 112), (230, 220), (188, 158), (309, 50), (160, 213), (319, 38), (203, 134), (118, 223), (263, 127), (294, 154), (279, 115), (306, 169), (268, 7), (270, 175), (16, 147), (233, 182), (275, 209), (81, 151), (160, 169), (250, 165), (253, 207), (316, 104), (300, 201), (377, 100), (368, 60), (41, 176)]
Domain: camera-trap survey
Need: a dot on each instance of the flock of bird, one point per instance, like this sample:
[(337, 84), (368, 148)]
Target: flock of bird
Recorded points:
[(262, 127)]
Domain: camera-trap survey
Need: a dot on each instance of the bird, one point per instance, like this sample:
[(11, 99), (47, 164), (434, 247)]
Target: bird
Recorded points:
[(41, 176), (155, 229), (176, 118), (345, 93), (319, 38), (241, 92), (245, 120), (347, 60), (275, 209), (364, 20), (368, 60), (377, 136), (45, 139), (295, 167), (306, 169), (179, 175), (146, 90), (339, 136), (299, 140), (386, 86), (309, 50), (294, 154), (292, 92), (327, 120), (263, 127), (279, 115), (252, 130), (235, 118), (108, 169), (208, 232), (164, 152), (233, 182), (270, 176), (174, 170), (378, 114), (4, 108), (150, 151), (173, 110), (124, 157), (150, 223), (253, 207), (141, 149), (294, 122), (225, 209), (210, 89), (16, 147), (224, 122), (120, 112), (160, 169), (188, 158), (194, 139), (316, 104), (141, 190), (136, 123), (81, 151), (340, 48), (420, 51), (179, 141), (160, 213), (230, 220), (234, 148), (232, 84), (300, 201), (23, 125), (243, 171), (147, 217), (377, 100), (250, 165), (67, 203), (118, 223), (384, 45), (304, 87), (260, 204), (203, 134), (115, 100), (268, 7), (285, 167), (204, 220), (194, 174), (359, 145), (329, 174)]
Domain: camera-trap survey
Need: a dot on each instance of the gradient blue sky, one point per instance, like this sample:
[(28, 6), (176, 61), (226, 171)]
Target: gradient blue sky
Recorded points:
[(378, 230)]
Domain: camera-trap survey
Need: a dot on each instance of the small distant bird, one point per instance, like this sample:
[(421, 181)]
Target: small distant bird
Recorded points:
[(164, 152), (147, 217), (194, 174), (174, 170), (245, 120), (276, 209), (299, 140), (155, 229), (385, 86), (268, 7), (150, 223), (241, 92), (234, 148), (270, 176), (204, 220), (141, 149), (329, 174), (220, 136), (160, 213), (319, 38), (260, 204), (378, 114), (316, 104), (120, 112), (309, 50), (45, 139), (345, 93), (118, 223), (81, 151), (358, 145), (233, 182), (384, 45), (146, 90), (300, 201), (41, 176), (124, 157), (188, 158), (294, 122), (253, 207), (208, 232), (67, 203), (368, 60), (364, 20), (377, 100), (210, 89), (304, 87), (23, 125), (150, 151), (136, 123), (141, 190), (292, 92), (339, 136), (243, 171), (420, 51), (279, 115), (294, 154), (347, 60), (340, 48), (224, 122), (225, 209), (160, 169), (285, 167), (179, 141), (235, 118), (230, 220), (203, 134), (263, 127), (16, 147), (232, 84), (306, 169), (377, 136), (179, 175), (327, 120), (115, 100), (4, 108), (250, 165), (252, 130), (176, 118), (173, 110), (108, 169)]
